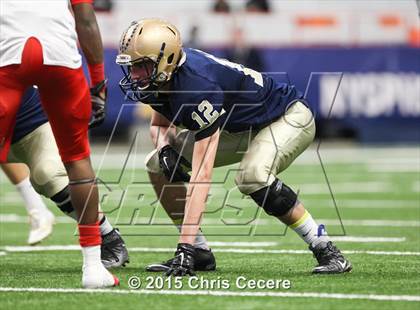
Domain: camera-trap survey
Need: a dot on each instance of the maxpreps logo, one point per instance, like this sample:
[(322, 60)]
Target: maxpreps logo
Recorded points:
[(371, 95)]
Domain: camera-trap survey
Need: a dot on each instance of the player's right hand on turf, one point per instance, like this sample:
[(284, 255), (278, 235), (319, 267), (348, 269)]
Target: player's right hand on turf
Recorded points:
[(98, 95), (183, 263), (171, 163)]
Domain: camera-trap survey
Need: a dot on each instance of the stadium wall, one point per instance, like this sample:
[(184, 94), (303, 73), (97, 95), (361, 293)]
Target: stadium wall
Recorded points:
[(378, 97), (368, 50)]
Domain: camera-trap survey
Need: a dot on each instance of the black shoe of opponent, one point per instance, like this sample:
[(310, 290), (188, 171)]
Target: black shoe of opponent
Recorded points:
[(113, 250)]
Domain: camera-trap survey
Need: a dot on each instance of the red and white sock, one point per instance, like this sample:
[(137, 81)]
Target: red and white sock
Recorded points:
[(94, 273), (90, 240)]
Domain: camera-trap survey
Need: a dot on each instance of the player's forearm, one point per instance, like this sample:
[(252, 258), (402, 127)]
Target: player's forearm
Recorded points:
[(194, 209), (88, 33), (199, 186)]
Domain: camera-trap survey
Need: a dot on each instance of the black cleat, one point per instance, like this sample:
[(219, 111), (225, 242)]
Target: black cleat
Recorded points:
[(330, 259), (113, 250), (204, 261)]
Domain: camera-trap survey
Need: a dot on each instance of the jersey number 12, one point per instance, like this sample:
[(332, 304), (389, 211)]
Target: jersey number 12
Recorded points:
[(209, 114)]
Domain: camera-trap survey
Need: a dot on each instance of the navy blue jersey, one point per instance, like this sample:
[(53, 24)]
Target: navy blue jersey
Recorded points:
[(206, 89), (30, 115)]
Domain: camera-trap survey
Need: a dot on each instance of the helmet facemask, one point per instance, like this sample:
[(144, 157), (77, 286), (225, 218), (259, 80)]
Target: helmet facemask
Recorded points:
[(141, 78)]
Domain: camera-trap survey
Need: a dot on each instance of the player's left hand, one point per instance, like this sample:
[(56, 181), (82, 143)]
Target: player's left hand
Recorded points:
[(171, 163), (183, 262), (98, 95)]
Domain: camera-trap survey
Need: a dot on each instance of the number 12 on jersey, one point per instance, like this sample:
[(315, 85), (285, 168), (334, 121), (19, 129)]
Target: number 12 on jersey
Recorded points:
[(209, 114)]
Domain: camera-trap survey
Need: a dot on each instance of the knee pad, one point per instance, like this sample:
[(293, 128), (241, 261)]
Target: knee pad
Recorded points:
[(276, 199), (48, 176), (152, 162), (44, 171)]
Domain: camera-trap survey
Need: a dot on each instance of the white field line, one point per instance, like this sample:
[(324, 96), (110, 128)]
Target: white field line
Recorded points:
[(11, 198), (323, 203), (304, 188), (395, 167), (359, 239), (311, 201), (364, 204), (143, 221), (216, 250), (343, 187), (242, 244), (372, 223), (16, 218), (416, 187), (216, 293), (330, 154), (336, 187), (354, 239), (41, 248), (367, 239), (239, 221)]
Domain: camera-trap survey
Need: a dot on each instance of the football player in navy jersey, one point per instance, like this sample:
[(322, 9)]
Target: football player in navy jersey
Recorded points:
[(218, 103), (33, 144)]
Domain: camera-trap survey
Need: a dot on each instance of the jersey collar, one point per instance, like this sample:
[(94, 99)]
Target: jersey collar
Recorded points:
[(183, 59)]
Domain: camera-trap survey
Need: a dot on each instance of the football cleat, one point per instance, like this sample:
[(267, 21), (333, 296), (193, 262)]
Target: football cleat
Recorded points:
[(41, 226), (204, 261), (96, 276), (330, 259), (113, 250)]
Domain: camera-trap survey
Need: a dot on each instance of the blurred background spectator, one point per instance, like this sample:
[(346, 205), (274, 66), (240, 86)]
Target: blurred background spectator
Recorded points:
[(243, 53), (221, 6), (193, 39), (260, 6), (103, 5)]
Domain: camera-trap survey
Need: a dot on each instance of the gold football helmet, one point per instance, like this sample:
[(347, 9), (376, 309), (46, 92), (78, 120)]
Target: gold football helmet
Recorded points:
[(149, 52)]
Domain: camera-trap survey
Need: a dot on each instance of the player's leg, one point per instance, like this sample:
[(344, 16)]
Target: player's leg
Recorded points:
[(257, 177), (172, 195), (40, 218), (82, 187), (11, 92), (66, 100), (12, 88), (39, 151)]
